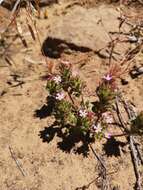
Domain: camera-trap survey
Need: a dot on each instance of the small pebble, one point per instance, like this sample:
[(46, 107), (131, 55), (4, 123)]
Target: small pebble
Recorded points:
[(124, 81)]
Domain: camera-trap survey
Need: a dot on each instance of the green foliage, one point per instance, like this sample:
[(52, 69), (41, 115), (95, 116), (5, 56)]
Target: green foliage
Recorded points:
[(137, 124), (52, 87), (64, 112), (76, 86), (70, 109), (106, 94)]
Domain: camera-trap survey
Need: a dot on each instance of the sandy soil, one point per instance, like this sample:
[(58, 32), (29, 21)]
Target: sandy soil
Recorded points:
[(23, 123)]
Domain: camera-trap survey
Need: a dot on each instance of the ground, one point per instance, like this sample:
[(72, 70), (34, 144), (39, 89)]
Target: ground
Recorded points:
[(23, 122)]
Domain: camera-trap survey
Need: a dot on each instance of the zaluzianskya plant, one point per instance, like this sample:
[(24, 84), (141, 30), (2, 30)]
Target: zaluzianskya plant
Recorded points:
[(71, 82), (64, 111), (106, 92), (54, 84), (70, 109), (63, 88)]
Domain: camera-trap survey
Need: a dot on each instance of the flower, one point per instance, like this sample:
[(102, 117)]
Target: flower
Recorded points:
[(107, 77), (107, 117), (107, 135), (60, 96), (57, 79), (83, 113), (97, 128)]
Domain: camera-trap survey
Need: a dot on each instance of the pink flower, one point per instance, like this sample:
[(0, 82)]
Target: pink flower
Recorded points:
[(83, 113), (107, 77), (60, 96), (97, 128), (57, 79)]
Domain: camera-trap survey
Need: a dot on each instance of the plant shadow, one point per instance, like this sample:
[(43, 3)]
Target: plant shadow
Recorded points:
[(71, 138), (54, 48), (70, 141), (113, 147), (46, 109)]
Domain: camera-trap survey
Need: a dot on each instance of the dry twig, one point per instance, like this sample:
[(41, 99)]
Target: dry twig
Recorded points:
[(103, 171), (17, 162), (134, 149), (135, 163)]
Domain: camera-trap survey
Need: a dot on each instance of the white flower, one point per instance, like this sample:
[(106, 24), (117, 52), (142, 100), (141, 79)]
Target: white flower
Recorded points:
[(60, 96), (107, 117), (107, 77), (83, 113), (57, 79), (97, 128)]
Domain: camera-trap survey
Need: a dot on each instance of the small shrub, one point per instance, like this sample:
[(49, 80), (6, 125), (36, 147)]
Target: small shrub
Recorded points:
[(70, 109)]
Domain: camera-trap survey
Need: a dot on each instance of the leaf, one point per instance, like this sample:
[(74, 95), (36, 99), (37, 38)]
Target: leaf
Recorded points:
[(24, 41), (31, 32)]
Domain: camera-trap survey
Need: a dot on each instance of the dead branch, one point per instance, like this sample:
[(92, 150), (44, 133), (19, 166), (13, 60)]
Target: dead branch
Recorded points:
[(134, 150), (135, 163), (120, 115), (98, 158), (103, 171), (15, 6)]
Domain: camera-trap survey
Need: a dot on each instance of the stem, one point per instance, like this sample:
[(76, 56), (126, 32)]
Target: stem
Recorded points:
[(71, 98), (40, 43), (98, 158)]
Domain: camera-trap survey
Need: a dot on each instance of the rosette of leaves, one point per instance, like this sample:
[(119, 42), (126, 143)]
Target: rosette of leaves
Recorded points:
[(137, 125), (65, 113), (76, 86), (52, 86), (106, 94), (71, 84), (65, 72), (84, 123)]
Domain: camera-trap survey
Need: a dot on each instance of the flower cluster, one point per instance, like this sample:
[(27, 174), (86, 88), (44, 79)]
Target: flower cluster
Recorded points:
[(60, 96), (99, 131), (89, 119), (70, 109), (107, 77)]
